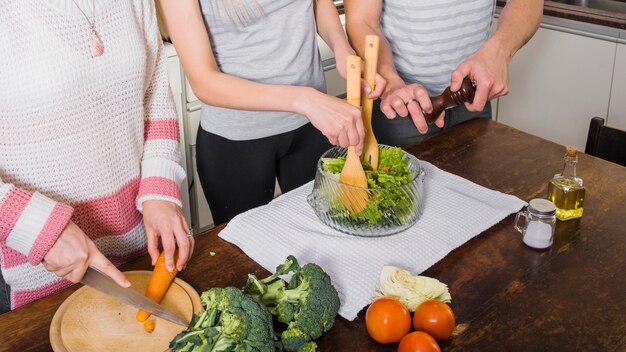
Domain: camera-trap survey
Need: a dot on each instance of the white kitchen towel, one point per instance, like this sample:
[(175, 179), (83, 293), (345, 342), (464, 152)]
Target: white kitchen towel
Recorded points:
[(455, 210)]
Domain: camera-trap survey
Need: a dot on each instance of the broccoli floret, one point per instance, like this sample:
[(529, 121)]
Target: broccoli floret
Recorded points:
[(232, 321), (308, 304), (293, 339), (308, 347), (285, 311)]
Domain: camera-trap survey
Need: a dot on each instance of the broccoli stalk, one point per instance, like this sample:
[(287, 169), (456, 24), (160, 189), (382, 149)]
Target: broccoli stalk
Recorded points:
[(308, 304), (231, 322), (256, 288)]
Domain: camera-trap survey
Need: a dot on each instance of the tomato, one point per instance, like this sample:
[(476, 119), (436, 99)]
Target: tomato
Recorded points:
[(387, 320), (418, 341), (435, 318)]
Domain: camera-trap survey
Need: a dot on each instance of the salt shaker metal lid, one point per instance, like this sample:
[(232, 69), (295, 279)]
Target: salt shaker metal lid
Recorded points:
[(541, 207)]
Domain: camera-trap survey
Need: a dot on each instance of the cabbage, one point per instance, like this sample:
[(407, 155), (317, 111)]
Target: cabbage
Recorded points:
[(411, 290)]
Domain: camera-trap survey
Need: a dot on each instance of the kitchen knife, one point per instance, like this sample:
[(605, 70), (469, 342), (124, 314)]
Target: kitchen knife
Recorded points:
[(103, 283)]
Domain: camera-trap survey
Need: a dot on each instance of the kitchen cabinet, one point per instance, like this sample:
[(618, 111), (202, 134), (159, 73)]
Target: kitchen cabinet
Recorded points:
[(558, 82), (201, 211), (175, 78), (335, 84), (617, 108)]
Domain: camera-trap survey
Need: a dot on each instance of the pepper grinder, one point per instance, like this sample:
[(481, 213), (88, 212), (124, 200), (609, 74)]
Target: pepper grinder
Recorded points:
[(449, 99)]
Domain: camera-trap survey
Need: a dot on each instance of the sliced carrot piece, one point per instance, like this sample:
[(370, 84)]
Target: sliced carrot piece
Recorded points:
[(148, 325)]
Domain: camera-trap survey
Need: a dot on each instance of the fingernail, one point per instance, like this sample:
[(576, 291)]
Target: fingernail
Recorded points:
[(170, 267), (126, 283), (368, 89)]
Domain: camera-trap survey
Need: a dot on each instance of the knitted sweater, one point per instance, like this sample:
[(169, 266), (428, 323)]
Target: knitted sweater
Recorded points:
[(82, 138)]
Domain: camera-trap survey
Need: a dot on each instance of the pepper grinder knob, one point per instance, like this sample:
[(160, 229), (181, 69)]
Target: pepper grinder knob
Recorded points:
[(449, 99)]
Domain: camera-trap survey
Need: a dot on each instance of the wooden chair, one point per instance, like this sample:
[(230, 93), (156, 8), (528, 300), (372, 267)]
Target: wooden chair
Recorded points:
[(606, 142)]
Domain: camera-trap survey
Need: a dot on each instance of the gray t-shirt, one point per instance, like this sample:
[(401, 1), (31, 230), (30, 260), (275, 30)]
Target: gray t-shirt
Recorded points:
[(277, 44), (430, 38)]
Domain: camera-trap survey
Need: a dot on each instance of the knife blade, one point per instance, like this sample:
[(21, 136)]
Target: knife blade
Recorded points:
[(103, 283)]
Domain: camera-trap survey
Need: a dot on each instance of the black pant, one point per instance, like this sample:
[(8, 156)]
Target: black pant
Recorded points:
[(240, 175), (401, 131), (5, 299)]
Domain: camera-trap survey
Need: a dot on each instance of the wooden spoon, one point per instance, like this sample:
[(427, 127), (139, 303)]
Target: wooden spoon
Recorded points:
[(352, 173), (370, 146)]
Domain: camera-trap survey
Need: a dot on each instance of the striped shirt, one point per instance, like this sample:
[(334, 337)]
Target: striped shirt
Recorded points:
[(82, 138), (430, 38)]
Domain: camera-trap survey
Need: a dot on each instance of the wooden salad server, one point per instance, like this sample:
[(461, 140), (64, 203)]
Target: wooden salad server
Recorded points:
[(352, 173), (370, 145)]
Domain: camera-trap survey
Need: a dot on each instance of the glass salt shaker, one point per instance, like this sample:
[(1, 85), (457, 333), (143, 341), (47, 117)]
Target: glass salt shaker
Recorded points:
[(539, 222)]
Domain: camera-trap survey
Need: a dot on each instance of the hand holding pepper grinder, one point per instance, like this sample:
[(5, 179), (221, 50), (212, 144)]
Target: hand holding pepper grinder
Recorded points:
[(449, 99)]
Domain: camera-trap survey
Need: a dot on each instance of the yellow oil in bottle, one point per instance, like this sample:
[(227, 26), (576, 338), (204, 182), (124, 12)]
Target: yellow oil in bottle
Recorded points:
[(566, 190), (568, 195)]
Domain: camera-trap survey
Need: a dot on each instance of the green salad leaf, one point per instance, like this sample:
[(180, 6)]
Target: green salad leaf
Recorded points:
[(391, 207)]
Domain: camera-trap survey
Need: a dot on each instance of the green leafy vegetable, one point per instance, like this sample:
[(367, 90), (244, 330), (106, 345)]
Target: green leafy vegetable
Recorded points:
[(391, 207)]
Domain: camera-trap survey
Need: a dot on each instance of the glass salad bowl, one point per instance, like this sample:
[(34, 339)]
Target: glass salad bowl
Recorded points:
[(391, 203)]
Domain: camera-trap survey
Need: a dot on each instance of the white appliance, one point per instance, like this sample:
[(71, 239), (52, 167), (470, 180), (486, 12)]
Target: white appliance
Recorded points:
[(175, 79)]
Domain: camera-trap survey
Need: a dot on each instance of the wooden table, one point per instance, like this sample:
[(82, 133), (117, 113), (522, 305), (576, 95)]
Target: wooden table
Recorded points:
[(506, 296)]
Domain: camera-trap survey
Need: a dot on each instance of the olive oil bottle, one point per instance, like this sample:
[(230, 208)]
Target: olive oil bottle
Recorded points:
[(566, 190)]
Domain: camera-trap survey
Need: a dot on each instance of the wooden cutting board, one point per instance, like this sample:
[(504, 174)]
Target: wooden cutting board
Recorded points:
[(89, 320)]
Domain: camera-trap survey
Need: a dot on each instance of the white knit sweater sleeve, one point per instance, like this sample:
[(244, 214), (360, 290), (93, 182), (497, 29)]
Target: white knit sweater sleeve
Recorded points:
[(161, 172), (30, 223)]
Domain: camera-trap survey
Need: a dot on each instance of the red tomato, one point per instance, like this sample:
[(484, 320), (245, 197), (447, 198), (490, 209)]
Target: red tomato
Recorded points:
[(435, 318), (418, 341), (387, 320)]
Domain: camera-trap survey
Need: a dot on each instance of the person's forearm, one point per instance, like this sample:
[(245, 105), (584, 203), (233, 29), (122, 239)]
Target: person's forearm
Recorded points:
[(228, 91), (518, 22), (357, 29)]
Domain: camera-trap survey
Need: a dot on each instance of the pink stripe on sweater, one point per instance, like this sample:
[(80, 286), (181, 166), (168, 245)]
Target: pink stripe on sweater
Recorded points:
[(159, 186), (51, 230), (11, 209), (20, 298), (11, 257), (111, 215), (161, 129)]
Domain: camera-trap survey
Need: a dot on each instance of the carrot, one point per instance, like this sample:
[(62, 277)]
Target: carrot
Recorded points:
[(160, 281), (148, 325)]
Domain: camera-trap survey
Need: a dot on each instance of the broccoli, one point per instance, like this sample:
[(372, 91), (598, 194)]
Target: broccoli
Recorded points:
[(232, 321), (308, 347), (308, 304)]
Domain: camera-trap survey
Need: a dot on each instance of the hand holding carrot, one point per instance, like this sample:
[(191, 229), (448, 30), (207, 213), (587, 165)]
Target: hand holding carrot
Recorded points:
[(164, 220)]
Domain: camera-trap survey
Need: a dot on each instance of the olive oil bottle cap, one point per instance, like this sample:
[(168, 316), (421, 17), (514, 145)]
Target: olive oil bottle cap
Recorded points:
[(570, 152)]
